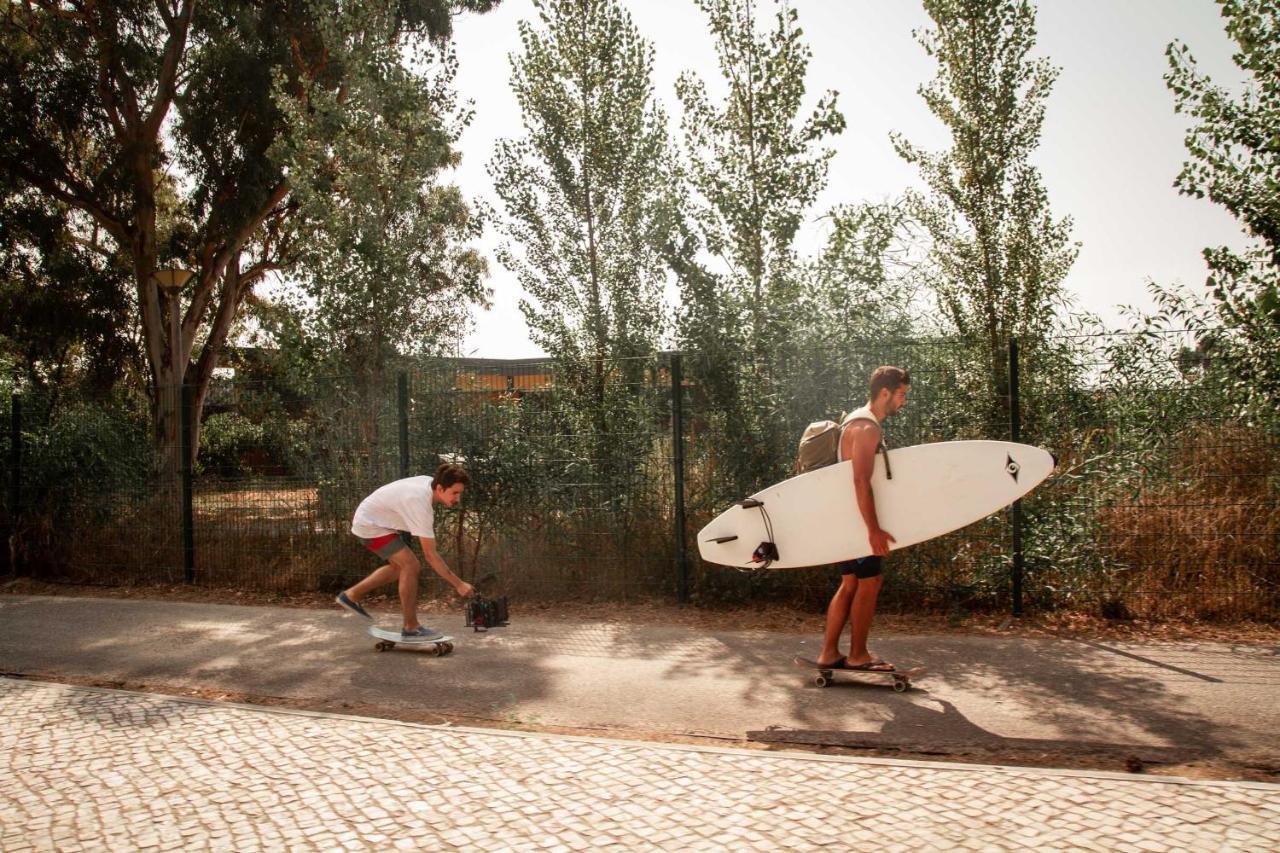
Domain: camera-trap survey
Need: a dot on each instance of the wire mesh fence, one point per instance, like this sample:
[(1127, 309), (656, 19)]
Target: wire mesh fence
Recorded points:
[(590, 480), (1167, 500)]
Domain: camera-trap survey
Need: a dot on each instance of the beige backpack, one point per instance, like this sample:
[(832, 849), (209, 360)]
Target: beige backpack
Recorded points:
[(819, 445)]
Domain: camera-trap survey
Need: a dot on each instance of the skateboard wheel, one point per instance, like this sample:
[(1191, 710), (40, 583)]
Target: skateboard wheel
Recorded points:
[(448, 648), (438, 651), (900, 685), (384, 645), (822, 679)]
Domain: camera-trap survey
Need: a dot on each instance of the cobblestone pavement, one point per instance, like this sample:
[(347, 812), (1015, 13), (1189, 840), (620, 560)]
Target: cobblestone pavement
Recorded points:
[(97, 769)]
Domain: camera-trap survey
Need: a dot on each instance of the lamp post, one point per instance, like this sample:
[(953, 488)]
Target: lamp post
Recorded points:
[(170, 281)]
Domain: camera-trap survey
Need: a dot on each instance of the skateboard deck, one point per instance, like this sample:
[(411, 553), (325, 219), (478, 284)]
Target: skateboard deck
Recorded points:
[(388, 640), (901, 677)]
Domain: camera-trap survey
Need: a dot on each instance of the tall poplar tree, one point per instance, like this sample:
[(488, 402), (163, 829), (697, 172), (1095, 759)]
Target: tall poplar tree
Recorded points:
[(1235, 162), (582, 192), (755, 163), (998, 254), (860, 284)]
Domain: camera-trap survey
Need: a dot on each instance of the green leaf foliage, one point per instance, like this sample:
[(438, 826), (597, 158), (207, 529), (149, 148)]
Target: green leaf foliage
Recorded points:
[(1234, 149), (166, 131), (584, 188), (61, 299), (383, 266), (998, 256), (754, 165)]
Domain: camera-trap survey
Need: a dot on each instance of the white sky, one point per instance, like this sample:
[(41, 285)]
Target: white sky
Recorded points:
[(1111, 148)]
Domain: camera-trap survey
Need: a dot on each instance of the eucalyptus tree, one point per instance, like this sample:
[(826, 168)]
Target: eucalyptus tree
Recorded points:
[(106, 102), (59, 300), (583, 190), (998, 255), (383, 262), (1235, 162)]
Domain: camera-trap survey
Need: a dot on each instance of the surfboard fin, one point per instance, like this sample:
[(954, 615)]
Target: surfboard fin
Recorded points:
[(750, 503), (720, 540)]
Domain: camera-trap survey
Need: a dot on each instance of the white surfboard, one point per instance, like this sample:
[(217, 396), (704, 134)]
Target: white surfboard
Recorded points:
[(813, 519)]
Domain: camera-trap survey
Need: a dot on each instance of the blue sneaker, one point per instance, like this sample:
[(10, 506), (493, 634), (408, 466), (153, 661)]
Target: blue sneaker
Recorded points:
[(345, 601), (422, 632)]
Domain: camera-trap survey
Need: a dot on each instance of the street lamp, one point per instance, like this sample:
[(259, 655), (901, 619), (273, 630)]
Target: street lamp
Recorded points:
[(170, 281)]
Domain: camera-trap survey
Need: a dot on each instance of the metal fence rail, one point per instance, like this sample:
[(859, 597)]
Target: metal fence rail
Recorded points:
[(590, 482)]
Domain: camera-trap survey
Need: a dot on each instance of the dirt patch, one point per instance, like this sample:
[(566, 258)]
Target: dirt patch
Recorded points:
[(771, 618)]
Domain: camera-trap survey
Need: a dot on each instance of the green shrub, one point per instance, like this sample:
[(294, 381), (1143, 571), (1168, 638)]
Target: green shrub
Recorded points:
[(80, 457), (224, 439)]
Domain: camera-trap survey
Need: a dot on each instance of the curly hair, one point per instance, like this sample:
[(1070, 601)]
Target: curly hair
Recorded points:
[(887, 377), (450, 474)]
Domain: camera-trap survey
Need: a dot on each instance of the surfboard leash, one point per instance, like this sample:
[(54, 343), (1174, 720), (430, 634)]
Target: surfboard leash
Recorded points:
[(767, 551)]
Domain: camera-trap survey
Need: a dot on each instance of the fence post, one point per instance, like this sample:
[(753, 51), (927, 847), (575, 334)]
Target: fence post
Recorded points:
[(1015, 434), (402, 407), (15, 486), (188, 514), (677, 459)]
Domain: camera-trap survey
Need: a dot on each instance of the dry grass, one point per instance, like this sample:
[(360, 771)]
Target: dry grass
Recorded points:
[(1202, 541)]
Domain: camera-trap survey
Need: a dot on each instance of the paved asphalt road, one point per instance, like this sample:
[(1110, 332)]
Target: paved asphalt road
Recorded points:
[(1165, 703)]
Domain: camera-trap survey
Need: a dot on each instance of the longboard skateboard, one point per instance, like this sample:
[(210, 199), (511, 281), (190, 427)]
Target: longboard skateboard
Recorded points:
[(387, 640), (901, 677)]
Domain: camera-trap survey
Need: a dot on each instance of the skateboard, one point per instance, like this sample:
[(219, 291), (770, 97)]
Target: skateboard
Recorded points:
[(388, 640), (901, 677)]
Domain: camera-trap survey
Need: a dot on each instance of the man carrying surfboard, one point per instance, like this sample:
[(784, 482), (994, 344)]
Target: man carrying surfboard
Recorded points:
[(406, 505), (860, 580)]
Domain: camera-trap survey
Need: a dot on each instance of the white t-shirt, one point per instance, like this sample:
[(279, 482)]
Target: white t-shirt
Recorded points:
[(400, 505)]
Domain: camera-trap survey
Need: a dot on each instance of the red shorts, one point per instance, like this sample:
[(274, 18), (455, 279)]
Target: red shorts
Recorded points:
[(385, 546)]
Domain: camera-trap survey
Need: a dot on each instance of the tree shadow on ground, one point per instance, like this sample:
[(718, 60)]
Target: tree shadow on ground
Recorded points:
[(1152, 700), (317, 658)]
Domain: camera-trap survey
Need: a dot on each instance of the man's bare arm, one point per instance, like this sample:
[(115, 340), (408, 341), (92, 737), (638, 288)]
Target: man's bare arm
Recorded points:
[(441, 568), (859, 443)]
